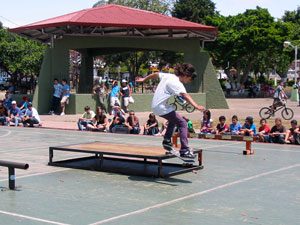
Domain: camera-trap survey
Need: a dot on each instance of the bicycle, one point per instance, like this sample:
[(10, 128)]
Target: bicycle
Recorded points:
[(267, 112), (178, 100)]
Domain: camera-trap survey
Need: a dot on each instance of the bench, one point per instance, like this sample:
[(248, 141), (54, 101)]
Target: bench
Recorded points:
[(247, 139)]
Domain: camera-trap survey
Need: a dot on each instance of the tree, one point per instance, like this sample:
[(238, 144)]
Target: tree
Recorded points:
[(251, 42), (194, 10), (150, 5), (19, 56), (292, 16)]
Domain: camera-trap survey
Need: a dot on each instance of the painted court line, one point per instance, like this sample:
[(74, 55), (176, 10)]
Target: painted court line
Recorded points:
[(31, 218), (223, 186), (38, 174), (7, 134)]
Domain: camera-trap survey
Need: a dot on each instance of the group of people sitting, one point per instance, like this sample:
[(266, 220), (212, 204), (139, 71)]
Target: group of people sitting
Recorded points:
[(277, 134), (12, 114), (99, 121)]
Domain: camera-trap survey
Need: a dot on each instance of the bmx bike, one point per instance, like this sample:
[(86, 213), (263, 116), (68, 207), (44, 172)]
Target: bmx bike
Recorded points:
[(267, 112), (178, 100)]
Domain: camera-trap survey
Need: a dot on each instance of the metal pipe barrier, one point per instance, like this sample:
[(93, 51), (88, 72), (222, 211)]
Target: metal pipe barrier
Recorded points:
[(11, 171)]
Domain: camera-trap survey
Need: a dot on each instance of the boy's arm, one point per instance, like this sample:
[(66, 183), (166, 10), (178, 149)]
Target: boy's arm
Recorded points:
[(188, 98), (149, 77)]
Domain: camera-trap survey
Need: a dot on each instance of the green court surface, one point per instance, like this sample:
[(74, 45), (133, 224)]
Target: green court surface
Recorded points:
[(231, 189)]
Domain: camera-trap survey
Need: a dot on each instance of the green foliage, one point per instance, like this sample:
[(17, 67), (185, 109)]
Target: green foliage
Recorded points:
[(19, 55), (251, 42), (292, 16), (194, 10)]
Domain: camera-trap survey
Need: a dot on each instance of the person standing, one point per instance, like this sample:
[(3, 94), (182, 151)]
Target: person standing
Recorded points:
[(114, 94), (171, 85), (298, 86), (101, 92), (65, 96), (56, 97)]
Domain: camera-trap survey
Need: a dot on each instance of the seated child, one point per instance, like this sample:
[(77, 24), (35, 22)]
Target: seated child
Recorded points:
[(249, 128), (132, 122), (222, 127), (235, 126), (151, 127), (277, 132), (289, 134), (263, 130), (206, 123)]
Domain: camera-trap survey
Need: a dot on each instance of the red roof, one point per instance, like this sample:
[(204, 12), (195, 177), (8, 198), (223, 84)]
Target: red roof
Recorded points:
[(117, 16)]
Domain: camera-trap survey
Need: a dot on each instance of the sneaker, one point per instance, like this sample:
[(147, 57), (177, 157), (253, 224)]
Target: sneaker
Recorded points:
[(62, 114), (167, 145), (187, 154)]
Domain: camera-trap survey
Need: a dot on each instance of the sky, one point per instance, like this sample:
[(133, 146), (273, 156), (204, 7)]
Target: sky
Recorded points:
[(15, 13)]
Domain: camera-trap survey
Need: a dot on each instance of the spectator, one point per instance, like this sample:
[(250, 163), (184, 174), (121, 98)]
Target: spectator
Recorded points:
[(289, 134), (7, 101), (100, 121), (101, 93), (222, 127), (31, 116), (277, 132), (65, 96), (297, 135), (249, 128), (114, 94), (263, 130), (56, 97), (189, 125), (126, 95), (3, 114), (151, 127), (86, 118), (132, 122), (24, 104), (15, 114), (298, 87), (118, 111), (227, 87), (117, 125), (235, 125), (206, 123)]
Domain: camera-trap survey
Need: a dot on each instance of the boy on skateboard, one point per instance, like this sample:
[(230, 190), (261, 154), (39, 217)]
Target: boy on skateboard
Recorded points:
[(171, 85)]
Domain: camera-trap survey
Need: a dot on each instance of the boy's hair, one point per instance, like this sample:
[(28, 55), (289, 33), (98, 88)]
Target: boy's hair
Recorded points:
[(87, 108), (222, 118), (185, 69), (234, 117), (261, 120), (65, 80), (249, 119), (294, 122), (55, 79)]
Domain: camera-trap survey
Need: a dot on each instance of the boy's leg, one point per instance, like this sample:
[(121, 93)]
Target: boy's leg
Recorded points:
[(175, 119)]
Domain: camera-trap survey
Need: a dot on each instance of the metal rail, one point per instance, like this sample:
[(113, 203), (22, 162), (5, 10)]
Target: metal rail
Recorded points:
[(11, 171)]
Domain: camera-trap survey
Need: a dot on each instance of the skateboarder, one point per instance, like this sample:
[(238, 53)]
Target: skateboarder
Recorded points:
[(171, 85)]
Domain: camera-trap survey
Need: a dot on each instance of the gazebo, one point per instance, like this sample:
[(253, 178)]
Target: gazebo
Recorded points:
[(113, 29)]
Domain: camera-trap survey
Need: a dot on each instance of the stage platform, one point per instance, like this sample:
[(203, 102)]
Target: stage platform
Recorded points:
[(125, 159)]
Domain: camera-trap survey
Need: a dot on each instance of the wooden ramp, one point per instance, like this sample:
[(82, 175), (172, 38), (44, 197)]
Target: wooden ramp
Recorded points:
[(124, 158)]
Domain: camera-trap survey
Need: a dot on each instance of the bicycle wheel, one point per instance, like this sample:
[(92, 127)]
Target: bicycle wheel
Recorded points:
[(174, 105), (189, 108), (265, 113), (287, 113)]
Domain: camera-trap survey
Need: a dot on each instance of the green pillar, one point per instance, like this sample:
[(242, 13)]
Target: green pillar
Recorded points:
[(86, 73)]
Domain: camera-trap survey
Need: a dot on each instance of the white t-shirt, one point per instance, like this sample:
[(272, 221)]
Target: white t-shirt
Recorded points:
[(168, 86)]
